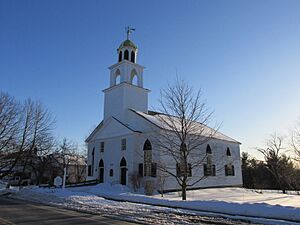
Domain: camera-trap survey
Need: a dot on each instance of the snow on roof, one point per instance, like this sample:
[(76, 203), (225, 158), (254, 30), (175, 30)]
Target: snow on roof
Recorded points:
[(162, 120)]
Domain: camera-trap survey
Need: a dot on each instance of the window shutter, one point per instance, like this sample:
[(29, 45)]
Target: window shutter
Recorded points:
[(123, 144), (213, 170), (205, 169), (141, 169), (102, 146), (153, 169)]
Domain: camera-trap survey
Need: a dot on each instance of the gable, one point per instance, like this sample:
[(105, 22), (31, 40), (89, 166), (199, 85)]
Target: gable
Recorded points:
[(109, 128)]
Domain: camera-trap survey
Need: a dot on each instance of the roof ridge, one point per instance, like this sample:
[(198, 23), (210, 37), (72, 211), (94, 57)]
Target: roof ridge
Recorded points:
[(154, 114)]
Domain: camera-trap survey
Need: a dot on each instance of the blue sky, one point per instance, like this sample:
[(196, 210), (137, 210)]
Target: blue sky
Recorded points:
[(243, 54)]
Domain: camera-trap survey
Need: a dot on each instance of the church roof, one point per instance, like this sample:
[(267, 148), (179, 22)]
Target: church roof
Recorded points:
[(99, 126), (127, 43), (162, 120), (158, 118)]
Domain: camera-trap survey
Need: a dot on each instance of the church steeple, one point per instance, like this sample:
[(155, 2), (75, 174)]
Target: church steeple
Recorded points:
[(126, 89)]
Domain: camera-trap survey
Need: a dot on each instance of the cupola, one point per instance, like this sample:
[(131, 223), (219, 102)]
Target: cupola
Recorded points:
[(127, 50)]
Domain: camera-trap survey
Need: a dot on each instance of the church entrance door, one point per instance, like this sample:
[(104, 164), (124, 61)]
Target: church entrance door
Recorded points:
[(101, 171), (123, 176), (123, 171), (101, 175)]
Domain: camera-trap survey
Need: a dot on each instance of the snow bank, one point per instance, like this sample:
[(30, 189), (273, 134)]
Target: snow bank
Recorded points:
[(2, 184), (2, 187), (233, 201), (237, 202)]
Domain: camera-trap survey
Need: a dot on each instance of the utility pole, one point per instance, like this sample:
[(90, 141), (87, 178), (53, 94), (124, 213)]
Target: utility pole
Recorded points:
[(64, 178)]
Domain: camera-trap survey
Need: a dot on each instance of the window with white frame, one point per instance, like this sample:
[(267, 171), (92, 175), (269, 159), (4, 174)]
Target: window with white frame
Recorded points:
[(229, 170), (123, 144), (102, 146)]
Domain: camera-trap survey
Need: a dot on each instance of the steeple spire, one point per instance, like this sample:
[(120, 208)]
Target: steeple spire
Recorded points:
[(129, 30)]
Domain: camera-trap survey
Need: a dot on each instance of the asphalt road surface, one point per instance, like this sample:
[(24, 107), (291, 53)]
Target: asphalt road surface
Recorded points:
[(20, 212)]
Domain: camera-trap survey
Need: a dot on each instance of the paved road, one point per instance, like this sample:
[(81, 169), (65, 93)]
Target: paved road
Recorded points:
[(20, 212)]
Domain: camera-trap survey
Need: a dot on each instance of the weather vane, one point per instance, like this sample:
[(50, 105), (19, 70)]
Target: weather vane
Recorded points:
[(129, 31)]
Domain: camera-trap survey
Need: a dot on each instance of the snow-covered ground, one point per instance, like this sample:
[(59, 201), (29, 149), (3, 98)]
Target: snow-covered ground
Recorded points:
[(241, 195), (237, 203), (2, 187), (2, 184)]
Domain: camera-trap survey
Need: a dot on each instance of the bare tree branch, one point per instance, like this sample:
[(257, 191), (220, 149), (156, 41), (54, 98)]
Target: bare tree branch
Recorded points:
[(183, 120)]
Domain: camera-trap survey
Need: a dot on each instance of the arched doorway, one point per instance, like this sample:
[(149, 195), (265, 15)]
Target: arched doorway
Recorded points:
[(123, 171), (101, 171)]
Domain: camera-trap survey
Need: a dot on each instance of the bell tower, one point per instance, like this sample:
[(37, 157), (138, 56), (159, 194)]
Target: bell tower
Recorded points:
[(126, 83)]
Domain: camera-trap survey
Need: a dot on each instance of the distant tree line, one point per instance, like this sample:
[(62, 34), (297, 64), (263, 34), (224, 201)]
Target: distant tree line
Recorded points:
[(280, 168), (27, 142)]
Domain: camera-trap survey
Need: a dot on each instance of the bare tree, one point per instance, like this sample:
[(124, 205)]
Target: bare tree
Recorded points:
[(279, 165), (25, 135), (161, 181), (79, 166), (135, 180), (36, 141), (9, 128), (295, 141), (183, 131)]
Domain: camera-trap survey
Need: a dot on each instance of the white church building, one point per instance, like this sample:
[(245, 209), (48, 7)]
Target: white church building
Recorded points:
[(121, 146)]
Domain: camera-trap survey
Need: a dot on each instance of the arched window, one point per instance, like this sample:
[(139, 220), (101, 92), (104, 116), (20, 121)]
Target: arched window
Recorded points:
[(123, 162), (120, 56), (132, 58), (229, 170), (126, 55), (183, 147), (147, 145), (180, 170), (208, 150), (149, 167), (228, 153), (209, 168)]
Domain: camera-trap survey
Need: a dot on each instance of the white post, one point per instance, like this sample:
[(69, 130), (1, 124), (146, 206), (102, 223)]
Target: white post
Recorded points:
[(64, 179)]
